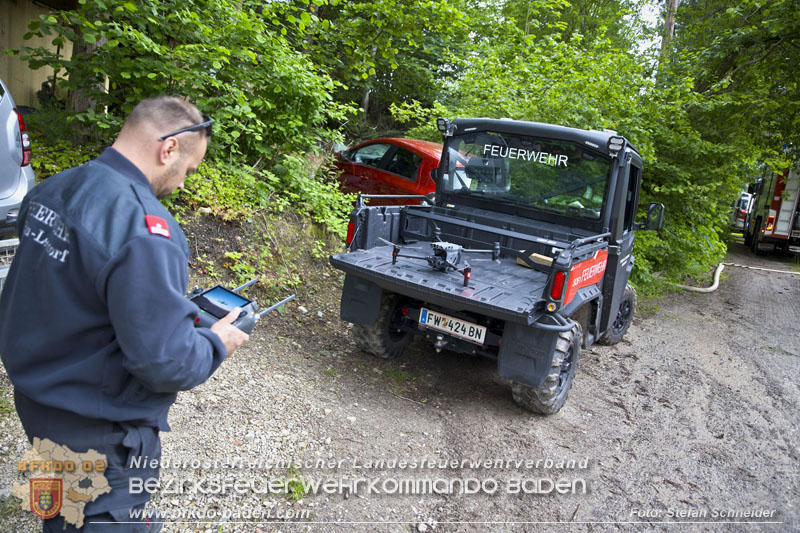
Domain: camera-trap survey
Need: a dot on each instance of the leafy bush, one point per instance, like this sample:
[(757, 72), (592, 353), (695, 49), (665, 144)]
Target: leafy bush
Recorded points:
[(49, 159), (270, 104), (266, 98), (233, 194)]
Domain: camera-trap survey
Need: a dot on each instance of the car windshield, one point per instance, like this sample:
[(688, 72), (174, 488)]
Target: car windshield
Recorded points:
[(546, 174)]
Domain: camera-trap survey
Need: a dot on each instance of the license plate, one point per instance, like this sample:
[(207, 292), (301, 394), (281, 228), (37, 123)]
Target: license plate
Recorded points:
[(453, 326)]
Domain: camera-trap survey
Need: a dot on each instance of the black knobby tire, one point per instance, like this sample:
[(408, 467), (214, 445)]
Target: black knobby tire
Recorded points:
[(756, 238), (748, 237), (550, 396), (618, 328), (384, 339)]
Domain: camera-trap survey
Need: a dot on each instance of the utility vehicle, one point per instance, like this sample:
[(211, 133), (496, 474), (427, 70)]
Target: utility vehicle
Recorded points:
[(523, 256)]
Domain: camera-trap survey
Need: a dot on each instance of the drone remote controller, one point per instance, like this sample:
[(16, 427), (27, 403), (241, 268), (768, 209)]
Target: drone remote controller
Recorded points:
[(215, 303)]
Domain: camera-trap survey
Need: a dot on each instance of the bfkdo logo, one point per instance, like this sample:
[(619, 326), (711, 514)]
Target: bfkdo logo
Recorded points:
[(46, 497)]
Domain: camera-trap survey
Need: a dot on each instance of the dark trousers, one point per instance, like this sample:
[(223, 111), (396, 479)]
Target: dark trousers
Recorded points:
[(119, 442)]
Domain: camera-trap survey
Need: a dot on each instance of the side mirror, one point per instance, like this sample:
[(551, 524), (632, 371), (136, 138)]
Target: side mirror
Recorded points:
[(655, 218)]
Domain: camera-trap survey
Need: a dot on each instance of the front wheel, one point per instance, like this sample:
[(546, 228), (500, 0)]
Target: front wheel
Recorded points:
[(550, 396), (627, 308), (385, 338)]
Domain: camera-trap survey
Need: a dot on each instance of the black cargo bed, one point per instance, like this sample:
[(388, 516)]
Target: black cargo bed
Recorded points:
[(504, 290)]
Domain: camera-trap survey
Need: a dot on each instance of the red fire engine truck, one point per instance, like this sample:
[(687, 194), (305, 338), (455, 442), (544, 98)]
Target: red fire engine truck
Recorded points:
[(774, 221)]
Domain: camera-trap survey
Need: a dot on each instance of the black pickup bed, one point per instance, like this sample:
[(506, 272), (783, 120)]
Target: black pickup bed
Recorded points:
[(501, 289)]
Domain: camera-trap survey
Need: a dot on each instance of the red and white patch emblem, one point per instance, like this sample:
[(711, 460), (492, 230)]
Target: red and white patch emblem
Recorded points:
[(46, 496), (157, 225)]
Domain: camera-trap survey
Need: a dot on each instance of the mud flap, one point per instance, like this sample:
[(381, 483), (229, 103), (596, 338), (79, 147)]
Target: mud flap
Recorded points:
[(526, 354), (361, 301)]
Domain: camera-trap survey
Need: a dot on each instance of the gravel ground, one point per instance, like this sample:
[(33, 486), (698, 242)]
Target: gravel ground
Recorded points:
[(691, 417)]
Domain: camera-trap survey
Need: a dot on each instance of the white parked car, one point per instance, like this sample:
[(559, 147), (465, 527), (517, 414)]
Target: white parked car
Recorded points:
[(16, 175)]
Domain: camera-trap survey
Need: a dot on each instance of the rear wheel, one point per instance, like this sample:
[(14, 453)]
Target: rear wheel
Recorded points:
[(754, 242), (385, 338), (627, 308), (550, 396)]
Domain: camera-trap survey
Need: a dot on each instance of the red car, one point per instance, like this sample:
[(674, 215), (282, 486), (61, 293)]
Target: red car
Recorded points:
[(389, 166)]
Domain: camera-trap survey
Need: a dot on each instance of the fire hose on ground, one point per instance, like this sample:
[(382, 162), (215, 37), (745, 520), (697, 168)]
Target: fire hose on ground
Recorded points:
[(718, 271)]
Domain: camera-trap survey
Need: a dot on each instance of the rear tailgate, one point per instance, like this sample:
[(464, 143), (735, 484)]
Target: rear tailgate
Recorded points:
[(503, 290)]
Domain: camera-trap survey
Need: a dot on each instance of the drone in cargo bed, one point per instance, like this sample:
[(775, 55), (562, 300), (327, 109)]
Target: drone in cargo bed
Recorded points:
[(446, 256)]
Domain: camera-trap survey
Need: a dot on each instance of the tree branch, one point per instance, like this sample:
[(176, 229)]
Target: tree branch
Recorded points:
[(731, 60), (757, 60)]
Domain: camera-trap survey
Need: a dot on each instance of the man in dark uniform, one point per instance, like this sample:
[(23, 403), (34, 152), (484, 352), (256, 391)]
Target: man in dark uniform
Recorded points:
[(95, 331)]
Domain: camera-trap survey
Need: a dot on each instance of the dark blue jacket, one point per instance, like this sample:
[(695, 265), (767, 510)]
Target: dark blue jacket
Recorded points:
[(93, 317)]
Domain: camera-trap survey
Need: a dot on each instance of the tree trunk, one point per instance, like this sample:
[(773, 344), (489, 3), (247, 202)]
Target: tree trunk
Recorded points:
[(367, 92), (666, 37), (669, 24), (365, 101), (78, 100)]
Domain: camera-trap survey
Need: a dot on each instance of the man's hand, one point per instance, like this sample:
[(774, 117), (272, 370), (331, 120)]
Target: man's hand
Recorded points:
[(231, 336)]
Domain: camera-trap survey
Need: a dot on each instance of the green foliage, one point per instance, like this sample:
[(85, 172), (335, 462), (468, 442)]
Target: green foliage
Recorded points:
[(318, 193), (381, 51), (264, 97), (6, 406), (694, 131), (270, 103), (705, 112), (48, 160), (9, 506), (228, 193), (285, 251), (297, 488)]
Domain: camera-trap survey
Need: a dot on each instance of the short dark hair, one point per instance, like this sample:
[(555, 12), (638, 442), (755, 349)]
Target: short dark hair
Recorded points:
[(169, 113)]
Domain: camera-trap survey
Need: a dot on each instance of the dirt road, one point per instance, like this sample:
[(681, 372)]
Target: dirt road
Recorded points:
[(693, 418)]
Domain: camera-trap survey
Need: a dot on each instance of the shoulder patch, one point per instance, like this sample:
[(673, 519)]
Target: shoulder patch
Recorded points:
[(157, 225)]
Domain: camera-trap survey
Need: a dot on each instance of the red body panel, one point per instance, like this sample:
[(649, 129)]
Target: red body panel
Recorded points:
[(586, 273), (775, 205)]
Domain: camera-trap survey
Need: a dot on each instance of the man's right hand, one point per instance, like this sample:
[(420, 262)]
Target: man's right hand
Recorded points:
[(231, 336)]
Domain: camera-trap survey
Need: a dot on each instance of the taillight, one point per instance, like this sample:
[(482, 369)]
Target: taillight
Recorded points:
[(26, 141), (770, 223), (351, 229), (558, 285)]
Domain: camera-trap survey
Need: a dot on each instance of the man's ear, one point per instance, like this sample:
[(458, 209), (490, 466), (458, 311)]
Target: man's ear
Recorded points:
[(168, 150)]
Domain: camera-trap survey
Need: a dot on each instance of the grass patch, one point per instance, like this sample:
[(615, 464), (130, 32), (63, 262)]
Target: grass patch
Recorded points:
[(9, 506), (6, 399), (6, 406), (398, 375), (297, 490)]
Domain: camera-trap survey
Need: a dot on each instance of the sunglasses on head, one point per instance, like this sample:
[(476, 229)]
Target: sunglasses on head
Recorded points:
[(206, 124)]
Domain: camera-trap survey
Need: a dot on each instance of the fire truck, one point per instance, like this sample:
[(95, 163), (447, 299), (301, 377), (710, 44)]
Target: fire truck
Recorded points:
[(774, 221)]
